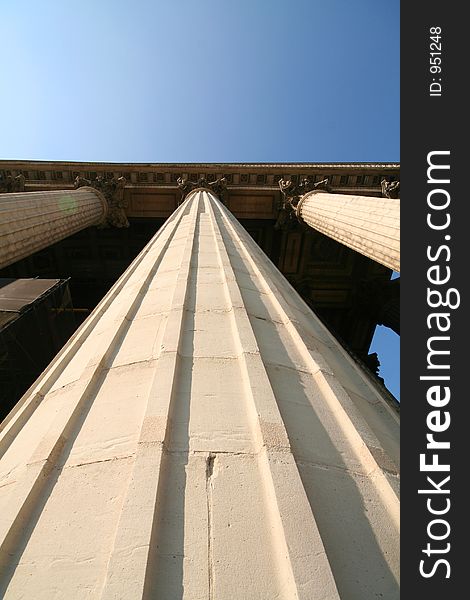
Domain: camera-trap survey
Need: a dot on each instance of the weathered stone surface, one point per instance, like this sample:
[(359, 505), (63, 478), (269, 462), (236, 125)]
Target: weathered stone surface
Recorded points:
[(368, 225), (31, 221), (201, 436)]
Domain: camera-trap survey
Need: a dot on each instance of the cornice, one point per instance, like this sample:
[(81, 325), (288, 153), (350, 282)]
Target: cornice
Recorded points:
[(363, 176), (179, 166)]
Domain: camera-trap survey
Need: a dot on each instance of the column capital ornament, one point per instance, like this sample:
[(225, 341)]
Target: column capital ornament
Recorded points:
[(11, 184), (291, 194), (217, 187), (390, 189), (113, 191)]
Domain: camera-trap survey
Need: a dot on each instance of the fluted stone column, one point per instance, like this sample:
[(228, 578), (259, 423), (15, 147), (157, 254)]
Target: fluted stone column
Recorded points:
[(31, 221), (201, 436), (368, 225)]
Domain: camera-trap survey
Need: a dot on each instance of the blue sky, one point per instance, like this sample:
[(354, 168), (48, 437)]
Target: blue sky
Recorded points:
[(196, 81)]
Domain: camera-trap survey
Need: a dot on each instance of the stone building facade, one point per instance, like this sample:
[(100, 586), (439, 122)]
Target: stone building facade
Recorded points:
[(203, 434)]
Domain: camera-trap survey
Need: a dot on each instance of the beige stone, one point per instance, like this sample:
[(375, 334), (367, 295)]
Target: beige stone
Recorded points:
[(201, 436), (31, 221), (368, 225)]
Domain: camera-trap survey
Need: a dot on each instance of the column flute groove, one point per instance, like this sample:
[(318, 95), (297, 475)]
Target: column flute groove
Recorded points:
[(54, 447), (277, 466)]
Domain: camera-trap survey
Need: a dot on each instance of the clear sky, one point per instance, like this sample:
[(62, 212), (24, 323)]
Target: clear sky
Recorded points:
[(197, 81)]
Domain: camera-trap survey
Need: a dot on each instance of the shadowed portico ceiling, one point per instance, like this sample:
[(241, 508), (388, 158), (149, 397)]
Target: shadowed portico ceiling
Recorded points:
[(329, 276)]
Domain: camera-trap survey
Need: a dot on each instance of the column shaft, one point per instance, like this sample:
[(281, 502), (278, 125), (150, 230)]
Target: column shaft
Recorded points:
[(368, 225), (31, 221), (202, 435)]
